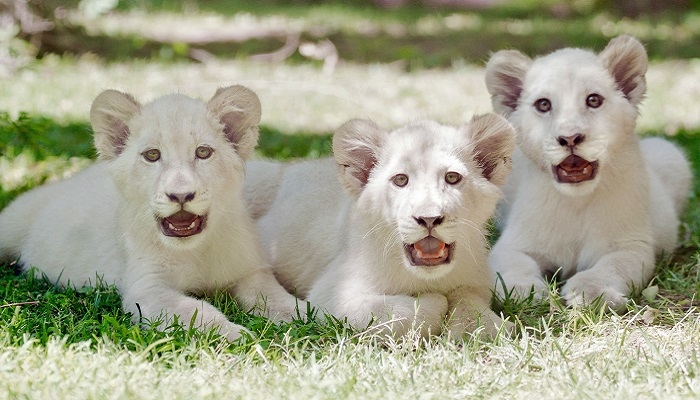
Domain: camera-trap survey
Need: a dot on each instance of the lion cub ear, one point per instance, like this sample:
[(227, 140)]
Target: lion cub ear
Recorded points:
[(505, 73), (493, 139), (110, 114), (626, 60), (238, 109), (355, 148)]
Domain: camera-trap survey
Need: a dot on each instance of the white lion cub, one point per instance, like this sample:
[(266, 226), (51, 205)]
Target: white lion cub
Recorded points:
[(404, 244), (161, 214), (588, 200)]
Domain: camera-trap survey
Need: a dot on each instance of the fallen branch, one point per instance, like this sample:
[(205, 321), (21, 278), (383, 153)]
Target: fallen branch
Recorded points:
[(23, 303), (277, 56)]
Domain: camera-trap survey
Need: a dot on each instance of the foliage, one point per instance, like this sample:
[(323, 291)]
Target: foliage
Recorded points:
[(274, 144), (43, 137), (419, 36), (32, 306)]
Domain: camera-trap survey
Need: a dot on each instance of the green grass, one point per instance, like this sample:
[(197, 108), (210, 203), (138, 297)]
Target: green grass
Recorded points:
[(31, 306), (45, 330), (78, 343)]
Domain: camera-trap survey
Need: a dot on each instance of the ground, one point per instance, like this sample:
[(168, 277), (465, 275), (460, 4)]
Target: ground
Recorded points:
[(79, 344)]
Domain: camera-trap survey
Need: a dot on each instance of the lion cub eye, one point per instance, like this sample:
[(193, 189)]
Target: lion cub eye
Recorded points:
[(400, 180), (151, 155), (204, 152), (543, 105), (453, 178), (594, 100)]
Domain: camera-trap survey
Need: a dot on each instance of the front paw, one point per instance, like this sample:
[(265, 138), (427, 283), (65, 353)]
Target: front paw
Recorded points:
[(585, 288), (288, 311), (486, 325), (232, 332), (424, 315), (431, 311), (521, 287)]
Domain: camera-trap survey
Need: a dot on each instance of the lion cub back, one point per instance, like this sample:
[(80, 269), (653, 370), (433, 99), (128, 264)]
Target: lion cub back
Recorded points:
[(301, 211)]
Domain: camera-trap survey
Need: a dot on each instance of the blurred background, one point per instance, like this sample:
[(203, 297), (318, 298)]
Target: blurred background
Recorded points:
[(421, 33), (314, 64)]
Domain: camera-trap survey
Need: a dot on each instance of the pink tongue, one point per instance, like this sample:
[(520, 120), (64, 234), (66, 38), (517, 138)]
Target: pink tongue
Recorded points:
[(574, 163), (429, 247), (181, 219)]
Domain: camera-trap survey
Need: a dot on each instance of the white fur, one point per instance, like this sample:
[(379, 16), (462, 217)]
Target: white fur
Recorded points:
[(343, 250), (601, 234), (103, 224)]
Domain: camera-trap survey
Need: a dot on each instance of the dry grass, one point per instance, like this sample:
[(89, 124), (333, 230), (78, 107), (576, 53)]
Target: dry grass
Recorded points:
[(614, 358)]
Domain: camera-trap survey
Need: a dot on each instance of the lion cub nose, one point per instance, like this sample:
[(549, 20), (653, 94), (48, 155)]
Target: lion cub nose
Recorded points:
[(571, 141), (181, 198), (429, 222)]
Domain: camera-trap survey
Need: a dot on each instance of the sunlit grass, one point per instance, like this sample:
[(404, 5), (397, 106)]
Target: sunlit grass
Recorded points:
[(78, 343)]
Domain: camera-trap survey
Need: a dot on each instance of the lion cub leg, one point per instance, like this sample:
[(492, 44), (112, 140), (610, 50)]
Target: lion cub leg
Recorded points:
[(260, 291), (518, 272), (470, 309), (613, 277), (396, 315), (149, 300)]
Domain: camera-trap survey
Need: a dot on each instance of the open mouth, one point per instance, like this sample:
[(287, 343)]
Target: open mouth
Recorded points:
[(575, 169), (429, 252), (182, 224)]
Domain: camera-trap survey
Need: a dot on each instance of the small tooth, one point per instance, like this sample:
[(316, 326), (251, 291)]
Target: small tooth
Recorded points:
[(563, 172)]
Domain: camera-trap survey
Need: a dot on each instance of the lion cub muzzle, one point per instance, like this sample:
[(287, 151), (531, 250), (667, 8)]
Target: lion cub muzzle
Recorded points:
[(182, 223), (429, 251), (574, 168)]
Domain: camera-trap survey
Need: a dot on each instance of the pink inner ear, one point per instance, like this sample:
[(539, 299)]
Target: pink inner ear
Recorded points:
[(494, 141), (118, 135), (362, 173), (232, 122), (362, 164), (511, 88), (625, 76)]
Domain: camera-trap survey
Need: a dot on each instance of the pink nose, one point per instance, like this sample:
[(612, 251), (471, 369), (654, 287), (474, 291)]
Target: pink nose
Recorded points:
[(429, 222), (181, 198), (571, 141)]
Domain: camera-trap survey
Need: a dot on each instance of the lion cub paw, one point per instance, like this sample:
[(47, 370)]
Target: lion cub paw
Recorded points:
[(287, 311), (586, 287), (486, 325), (534, 286), (233, 332), (431, 311), (423, 315)]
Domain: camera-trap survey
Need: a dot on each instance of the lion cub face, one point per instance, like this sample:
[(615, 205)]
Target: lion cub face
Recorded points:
[(426, 185), (177, 160), (573, 109)]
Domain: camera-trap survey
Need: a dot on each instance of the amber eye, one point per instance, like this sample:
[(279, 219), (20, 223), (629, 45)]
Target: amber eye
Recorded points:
[(400, 180), (594, 100), (453, 178), (204, 152), (151, 155), (543, 105)]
